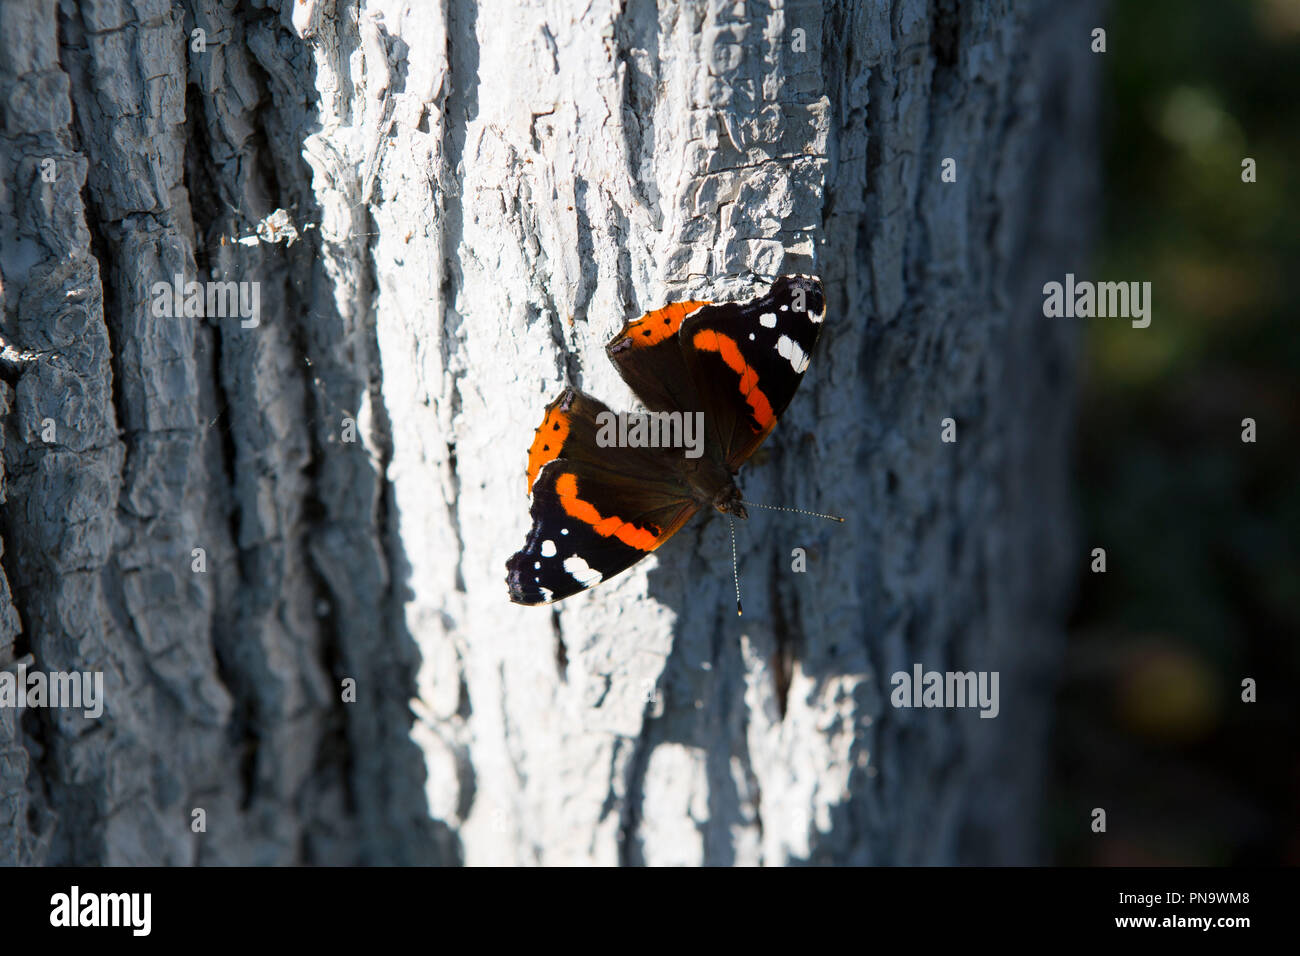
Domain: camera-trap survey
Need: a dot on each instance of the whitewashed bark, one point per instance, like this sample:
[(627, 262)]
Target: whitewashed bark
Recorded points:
[(487, 190)]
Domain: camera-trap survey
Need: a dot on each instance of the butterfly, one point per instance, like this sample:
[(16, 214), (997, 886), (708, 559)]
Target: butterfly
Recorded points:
[(603, 497)]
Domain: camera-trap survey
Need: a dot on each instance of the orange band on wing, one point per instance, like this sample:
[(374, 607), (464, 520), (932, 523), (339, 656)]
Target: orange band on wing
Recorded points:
[(709, 341), (566, 487), (653, 327), (550, 439)]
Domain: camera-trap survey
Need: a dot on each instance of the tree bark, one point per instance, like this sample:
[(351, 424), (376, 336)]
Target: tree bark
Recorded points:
[(484, 192)]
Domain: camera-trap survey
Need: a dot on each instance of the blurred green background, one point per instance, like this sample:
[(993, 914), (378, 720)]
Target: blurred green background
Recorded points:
[(1202, 587)]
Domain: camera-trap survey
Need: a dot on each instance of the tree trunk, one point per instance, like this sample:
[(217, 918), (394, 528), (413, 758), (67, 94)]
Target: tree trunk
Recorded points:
[(240, 522)]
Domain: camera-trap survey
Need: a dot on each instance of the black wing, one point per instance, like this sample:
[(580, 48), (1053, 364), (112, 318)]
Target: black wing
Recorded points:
[(596, 510), (746, 359)]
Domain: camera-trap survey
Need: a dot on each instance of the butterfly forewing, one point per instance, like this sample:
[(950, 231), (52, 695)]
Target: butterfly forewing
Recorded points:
[(596, 510), (748, 358), (589, 524)]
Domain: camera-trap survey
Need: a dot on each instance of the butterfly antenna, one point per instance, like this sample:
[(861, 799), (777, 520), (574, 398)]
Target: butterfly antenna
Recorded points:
[(798, 511), (735, 571)]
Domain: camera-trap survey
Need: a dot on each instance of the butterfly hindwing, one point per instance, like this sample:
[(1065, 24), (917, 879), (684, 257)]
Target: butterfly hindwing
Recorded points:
[(647, 354), (568, 430), (746, 359)]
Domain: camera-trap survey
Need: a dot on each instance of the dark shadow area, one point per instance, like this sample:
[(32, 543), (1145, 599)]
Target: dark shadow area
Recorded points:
[(1201, 590)]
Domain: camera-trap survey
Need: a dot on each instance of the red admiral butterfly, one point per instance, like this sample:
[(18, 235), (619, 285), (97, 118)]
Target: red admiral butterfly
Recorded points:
[(597, 510)]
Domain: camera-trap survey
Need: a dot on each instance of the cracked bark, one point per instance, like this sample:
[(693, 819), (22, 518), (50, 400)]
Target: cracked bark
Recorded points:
[(489, 193)]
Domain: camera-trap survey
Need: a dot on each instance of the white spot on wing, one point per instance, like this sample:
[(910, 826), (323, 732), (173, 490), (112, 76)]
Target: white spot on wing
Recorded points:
[(547, 594), (767, 320), (548, 548), (789, 350), (582, 572)]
